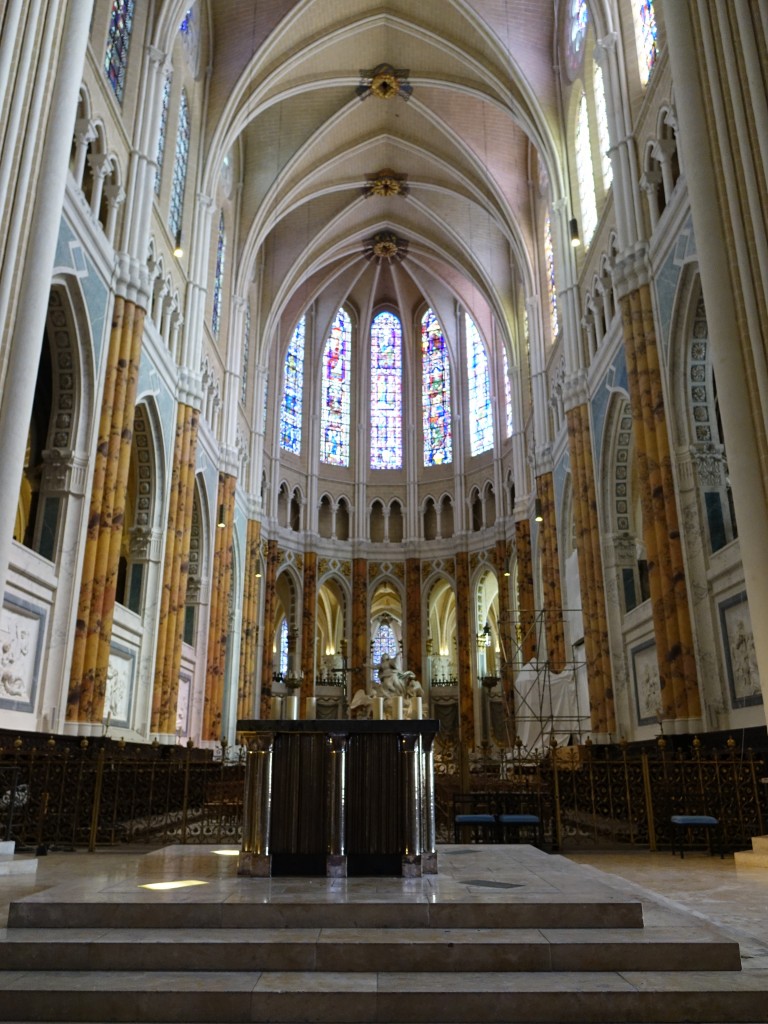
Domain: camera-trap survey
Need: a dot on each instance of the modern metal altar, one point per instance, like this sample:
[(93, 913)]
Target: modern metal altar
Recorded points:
[(338, 798)]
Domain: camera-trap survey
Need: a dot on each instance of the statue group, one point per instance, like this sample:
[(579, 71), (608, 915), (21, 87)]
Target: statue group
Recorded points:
[(392, 684)]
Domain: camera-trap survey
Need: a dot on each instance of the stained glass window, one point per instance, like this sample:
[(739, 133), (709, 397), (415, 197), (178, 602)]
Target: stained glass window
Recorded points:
[(186, 22), (218, 280), (549, 258), (601, 116), (284, 646), (161, 137), (479, 380), (116, 58), (384, 642), (435, 392), (585, 174), (246, 354), (386, 392), (646, 37), (334, 419), (577, 31), (179, 168), (293, 386), (507, 393)]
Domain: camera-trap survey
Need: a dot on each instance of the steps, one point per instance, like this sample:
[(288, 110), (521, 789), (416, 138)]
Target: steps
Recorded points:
[(504, 935), (11, 864), (757, 857)]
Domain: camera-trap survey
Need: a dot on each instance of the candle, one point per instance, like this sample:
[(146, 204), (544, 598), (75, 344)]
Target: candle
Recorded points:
[(292, 707), (378, 708), (277, 708), (397, 709), (417, 708), (310, 708)]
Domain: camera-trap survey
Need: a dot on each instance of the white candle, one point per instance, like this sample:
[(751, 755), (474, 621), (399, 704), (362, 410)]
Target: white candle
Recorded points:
[(417, 708), (310, 709), (292, 707), (277, 708), (378, 708), (397, 709)]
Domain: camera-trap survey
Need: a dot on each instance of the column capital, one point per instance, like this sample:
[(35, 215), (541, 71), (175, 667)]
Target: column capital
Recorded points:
[(604, 48), (575, 390), (631, 270), (189, 388)]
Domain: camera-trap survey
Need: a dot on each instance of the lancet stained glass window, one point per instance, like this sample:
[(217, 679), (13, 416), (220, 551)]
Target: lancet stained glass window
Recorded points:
[(161, 137), (646, 37), (284, 646), (334, 417), (549, 258), (384, 642), (179, 182), (293, 387), (577, 31), (435, 392), (218, 281), (386, 392), (507, 392), (585, 174), (246, 354), (601, 116), (479, 382), (118, 39)]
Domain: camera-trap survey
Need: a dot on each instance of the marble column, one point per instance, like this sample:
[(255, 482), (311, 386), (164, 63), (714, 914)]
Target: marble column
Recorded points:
[(267, 666), (596, 646), (553, 600), (170, 633), (413, 617), (250, 623), (93, 630), (506, 641), (466, 648), (308, 627), (218, 627), (359, 646), (526, 603)]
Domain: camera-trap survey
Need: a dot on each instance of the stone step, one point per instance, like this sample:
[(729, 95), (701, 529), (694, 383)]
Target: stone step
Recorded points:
[(360, 950), (344, 998), (751, 858), (163, 910), (12, 865)]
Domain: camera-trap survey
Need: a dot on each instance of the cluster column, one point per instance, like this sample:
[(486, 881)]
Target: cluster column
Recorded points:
[(218, 628)]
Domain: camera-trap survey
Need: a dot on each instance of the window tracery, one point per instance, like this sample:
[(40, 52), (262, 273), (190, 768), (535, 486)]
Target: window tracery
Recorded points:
[(335, 408), (218, 281), (178, 185), (436, 392), (118, 41), (293, 387), (386, 392), (479, 383), (585, 174)]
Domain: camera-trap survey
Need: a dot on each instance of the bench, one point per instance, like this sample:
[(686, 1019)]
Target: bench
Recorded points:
[(684, 824)]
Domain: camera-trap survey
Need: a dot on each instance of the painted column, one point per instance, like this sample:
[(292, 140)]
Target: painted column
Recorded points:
[(501, 562), (715, 55), (552, 597), (308, 626), (218, 627), (270, 578), (466, 648), (246, 692), (526, 605), (359, 646), (413, 655)]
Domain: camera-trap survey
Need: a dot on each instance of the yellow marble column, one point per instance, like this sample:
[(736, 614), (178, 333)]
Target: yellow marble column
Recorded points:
[(466, 653), (413, 617), (359, 649), (218, 627), (175, 572), (526, 603), (661, 530), (308, 627), (596, 647), (106, 519), (553, 599), (249, 629), (267, 665), (501, 557)]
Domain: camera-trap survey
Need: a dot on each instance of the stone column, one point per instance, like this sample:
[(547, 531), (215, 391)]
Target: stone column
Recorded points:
[(218, 627), (526, 603), (272, 564), (501, 562), (308, 626), (359, 647), (552, 597), (466, 647), (249, 629), (413, 655)]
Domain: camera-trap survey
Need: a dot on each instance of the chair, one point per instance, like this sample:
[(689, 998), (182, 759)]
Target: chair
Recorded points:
[(684, 824), (473, 812), (517, 822)]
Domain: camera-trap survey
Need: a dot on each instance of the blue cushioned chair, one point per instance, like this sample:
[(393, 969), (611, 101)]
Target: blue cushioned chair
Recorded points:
[(684, 824)]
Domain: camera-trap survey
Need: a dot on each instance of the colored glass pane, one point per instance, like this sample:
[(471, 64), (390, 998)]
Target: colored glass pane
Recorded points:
[(435, 392), (186, 22), (334, 416), (161, 137), (577, 31), (549, 259), (507, 393), (246, 354), (284, 646), (384, 642), (646, 37), (218, 280), (179, 182), (479, 381), (603, 139), (293, 387), (118, 39), (386, 392), (585, 174)]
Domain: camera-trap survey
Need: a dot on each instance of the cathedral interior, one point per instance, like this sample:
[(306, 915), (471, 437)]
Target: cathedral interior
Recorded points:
[(341, 332)]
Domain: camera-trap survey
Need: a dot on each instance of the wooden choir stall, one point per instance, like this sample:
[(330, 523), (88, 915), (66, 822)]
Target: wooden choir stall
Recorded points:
[(338, 798)]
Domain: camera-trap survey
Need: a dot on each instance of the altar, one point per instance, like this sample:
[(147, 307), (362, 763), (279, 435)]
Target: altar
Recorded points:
[(338, 798)]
